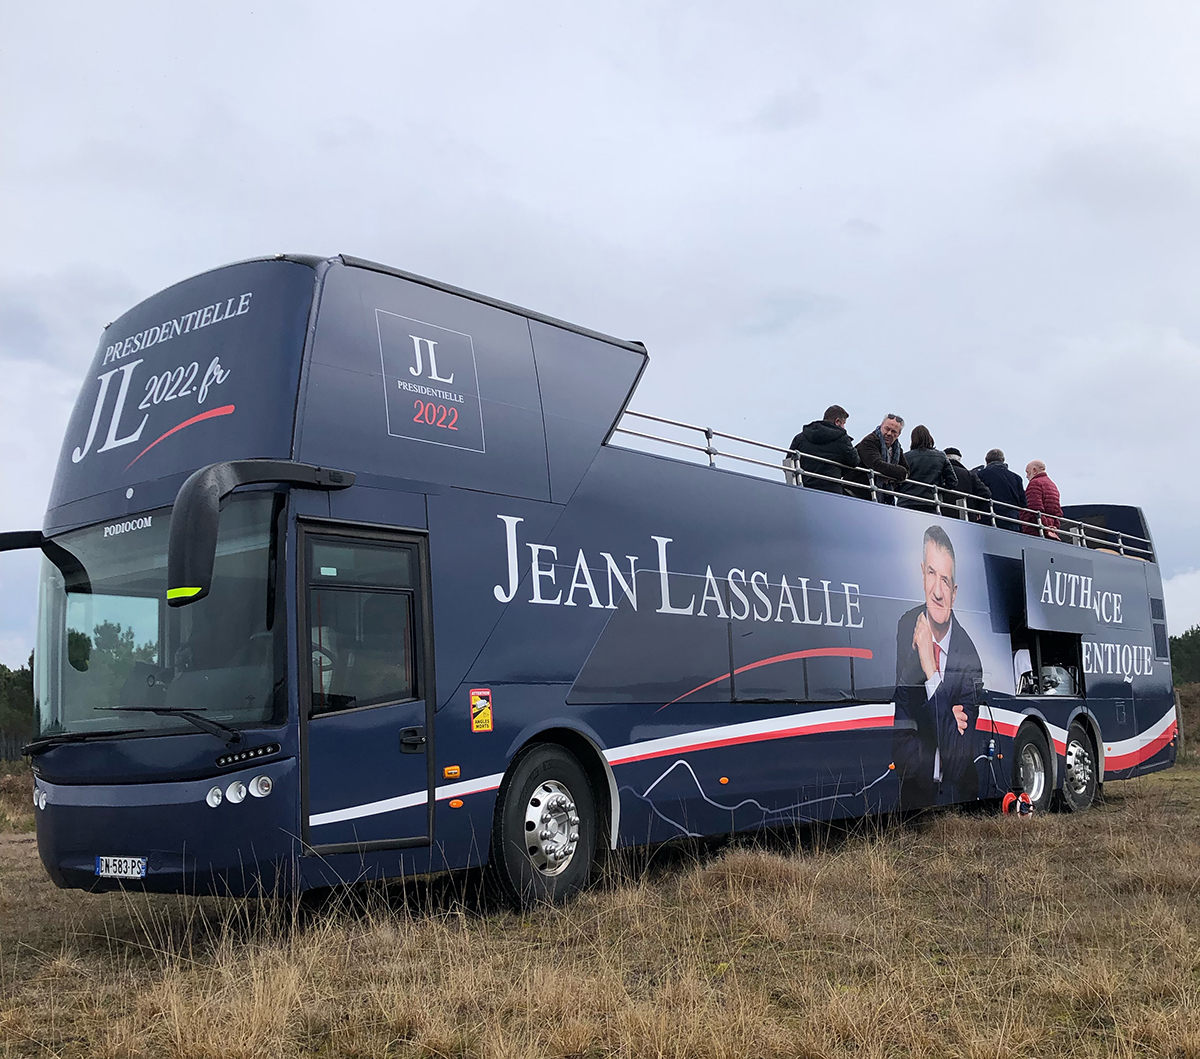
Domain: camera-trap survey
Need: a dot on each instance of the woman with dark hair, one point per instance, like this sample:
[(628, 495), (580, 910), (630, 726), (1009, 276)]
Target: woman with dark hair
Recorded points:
[(928, 467)]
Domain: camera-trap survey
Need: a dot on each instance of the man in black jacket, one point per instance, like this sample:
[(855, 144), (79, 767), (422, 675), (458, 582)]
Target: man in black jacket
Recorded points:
[(1008, 492), (939, 685), (970, 483), (880, 451), (825, 438)]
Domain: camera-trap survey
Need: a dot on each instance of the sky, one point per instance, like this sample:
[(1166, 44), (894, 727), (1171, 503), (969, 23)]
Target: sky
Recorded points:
[(984, 216)]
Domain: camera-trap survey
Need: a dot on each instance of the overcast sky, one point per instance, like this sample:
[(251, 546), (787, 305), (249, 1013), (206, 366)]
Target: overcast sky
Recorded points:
[(984, 216)]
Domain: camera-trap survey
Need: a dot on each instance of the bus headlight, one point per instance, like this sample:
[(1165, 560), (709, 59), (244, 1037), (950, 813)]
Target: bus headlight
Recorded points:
[(261, 786), (236, 792), (214, 797)]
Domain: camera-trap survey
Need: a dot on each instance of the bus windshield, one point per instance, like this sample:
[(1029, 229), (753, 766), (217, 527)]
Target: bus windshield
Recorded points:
[(107, 638)]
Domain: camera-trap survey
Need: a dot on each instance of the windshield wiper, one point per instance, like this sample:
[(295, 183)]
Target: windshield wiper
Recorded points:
[(230, 735), (47, 741)]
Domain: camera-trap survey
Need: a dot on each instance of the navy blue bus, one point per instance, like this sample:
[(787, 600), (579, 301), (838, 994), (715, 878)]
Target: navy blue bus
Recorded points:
[(352, 574)]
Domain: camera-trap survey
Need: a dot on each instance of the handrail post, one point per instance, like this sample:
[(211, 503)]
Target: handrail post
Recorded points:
[(992, 510), (708, 438), (1041, 525), (1121, 543), (874, 488)]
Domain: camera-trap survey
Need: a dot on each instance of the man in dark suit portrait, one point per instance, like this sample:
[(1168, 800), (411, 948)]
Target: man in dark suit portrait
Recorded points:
[(939, 682)]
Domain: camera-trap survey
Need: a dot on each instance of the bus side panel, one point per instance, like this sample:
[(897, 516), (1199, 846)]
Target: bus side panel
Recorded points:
[(408, 381), (585, 384)]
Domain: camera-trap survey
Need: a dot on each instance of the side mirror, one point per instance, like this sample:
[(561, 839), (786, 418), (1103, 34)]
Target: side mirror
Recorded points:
[(75, 576), (196, 516)]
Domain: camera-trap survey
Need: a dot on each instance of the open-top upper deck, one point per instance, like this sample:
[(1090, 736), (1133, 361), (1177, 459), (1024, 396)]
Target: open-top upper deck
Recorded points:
[(1113, 528)]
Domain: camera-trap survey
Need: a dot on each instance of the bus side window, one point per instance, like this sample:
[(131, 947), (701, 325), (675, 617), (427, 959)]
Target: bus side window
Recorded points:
[(361, 635)]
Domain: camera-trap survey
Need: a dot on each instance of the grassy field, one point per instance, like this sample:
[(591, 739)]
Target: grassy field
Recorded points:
[(950, 935)]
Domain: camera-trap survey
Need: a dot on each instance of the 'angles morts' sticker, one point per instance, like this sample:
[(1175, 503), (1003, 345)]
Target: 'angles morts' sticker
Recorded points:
[(481, 709), (431, 382)]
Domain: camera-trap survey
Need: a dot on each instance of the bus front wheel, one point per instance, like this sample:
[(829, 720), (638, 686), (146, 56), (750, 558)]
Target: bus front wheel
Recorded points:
[(544, 830)]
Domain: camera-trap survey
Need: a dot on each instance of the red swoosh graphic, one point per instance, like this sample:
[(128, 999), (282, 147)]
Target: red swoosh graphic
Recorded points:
[(224, 410), (816, 652)]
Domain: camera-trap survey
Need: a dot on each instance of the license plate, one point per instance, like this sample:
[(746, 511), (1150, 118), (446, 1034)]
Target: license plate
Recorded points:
[(121, 867)]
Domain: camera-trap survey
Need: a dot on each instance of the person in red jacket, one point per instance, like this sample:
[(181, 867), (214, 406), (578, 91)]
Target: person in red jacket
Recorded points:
[(1041, 494)]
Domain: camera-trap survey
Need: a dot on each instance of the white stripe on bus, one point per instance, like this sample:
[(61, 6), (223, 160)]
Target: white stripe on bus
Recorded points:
[(837, 719)]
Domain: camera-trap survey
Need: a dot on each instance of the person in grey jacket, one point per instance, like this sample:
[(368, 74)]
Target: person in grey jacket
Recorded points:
[(928, 467)]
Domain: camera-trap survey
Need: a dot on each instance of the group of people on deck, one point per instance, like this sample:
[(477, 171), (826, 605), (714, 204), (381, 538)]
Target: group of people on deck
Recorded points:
[(914, 477)]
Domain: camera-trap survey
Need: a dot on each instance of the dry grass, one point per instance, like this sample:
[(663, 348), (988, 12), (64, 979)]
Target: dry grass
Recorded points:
[(956, 935), (16, 797)]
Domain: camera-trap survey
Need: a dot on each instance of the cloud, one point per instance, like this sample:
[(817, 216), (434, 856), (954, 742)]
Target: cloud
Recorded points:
[(777, 312), (14, 651), (785, 110), (859, 226), (1182, 597), (1123, 175), (56, 319)]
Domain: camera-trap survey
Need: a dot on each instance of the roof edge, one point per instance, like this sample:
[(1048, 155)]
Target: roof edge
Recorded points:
[(496, 303)]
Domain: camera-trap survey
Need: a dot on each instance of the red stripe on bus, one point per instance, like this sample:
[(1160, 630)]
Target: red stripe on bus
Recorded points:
[(816, 652), (224, 410), (1112, 762), (1136, 757), (884, 721)]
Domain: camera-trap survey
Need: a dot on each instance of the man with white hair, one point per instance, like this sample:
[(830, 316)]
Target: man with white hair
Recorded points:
[(1041, 495)]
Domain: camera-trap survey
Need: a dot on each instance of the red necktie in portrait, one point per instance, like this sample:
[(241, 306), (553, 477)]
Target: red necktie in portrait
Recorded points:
[(937, 655)]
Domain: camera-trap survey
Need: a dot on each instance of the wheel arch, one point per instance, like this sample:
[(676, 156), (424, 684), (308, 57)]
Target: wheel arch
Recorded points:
[(586, 747)]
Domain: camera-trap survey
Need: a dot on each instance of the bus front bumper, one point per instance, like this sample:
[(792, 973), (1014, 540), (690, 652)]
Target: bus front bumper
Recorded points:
[(244, 844)]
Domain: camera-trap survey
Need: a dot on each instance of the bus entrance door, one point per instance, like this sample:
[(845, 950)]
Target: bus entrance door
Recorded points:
[(369, 727)]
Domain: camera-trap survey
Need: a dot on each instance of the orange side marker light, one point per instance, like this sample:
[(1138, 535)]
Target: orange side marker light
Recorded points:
[(724, 779), (451, 772), (456, 803)]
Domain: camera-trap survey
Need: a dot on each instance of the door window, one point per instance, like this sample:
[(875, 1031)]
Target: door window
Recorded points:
[(361, 623)]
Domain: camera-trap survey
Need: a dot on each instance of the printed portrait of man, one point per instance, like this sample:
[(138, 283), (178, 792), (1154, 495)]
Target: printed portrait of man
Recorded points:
[(939, 683)]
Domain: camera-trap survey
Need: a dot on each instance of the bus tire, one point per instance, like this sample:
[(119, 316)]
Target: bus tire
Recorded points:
[(544, 830), (1032, 767), (1080, 780)]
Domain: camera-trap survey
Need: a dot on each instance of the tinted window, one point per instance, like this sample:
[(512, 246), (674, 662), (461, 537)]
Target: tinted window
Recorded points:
[(337, 563), (361, 624)]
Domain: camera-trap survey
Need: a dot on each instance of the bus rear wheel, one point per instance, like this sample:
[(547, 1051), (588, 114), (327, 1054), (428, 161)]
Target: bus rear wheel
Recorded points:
[(544, 830), (1079, 776), (1031, 767)]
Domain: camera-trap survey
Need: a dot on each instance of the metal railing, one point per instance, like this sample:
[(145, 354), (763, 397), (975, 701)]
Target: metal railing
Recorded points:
[(867, 484)]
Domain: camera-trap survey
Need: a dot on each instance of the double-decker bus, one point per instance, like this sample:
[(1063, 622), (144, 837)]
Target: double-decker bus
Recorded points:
[(352, 574)]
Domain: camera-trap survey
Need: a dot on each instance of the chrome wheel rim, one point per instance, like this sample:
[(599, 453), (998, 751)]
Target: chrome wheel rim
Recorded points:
[(1079, 767), (1033, 772), (551, 828)]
